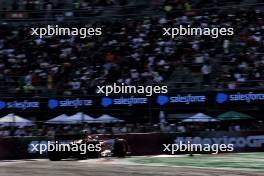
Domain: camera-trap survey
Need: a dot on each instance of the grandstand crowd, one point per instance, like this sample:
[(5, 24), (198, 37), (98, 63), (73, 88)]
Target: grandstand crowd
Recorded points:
[(31, 5), (135, 52), (51, 130)]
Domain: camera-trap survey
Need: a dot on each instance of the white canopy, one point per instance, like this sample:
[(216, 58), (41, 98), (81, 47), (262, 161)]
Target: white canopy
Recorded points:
[(14, 120), (200, 117), (107, 119), (61, 119), (79, 118)]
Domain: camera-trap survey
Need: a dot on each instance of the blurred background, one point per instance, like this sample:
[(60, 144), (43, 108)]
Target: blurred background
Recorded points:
[(56, 77)]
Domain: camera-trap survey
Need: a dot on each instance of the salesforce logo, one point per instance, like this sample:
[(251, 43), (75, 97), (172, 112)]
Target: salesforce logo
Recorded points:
[(2, 104), (106, 102), (162, 100), (75, 103), (23, 105), (182, 99), (53, 103), (221, 98), (239, 97)]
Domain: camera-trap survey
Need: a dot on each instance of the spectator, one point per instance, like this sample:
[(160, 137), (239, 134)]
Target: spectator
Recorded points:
[(206, 71)]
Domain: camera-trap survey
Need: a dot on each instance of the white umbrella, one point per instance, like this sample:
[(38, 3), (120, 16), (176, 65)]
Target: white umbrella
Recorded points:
[(61, 119), (79, 118), (200, 117), (14, 120), (107, 119)]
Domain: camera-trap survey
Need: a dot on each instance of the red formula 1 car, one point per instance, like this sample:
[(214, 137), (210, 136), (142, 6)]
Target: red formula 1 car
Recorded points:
[(83, 146)]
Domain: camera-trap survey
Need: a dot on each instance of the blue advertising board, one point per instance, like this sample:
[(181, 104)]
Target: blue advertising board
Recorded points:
[(176, 101)]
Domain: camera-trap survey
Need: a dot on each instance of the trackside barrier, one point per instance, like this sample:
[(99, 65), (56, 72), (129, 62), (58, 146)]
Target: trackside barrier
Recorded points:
[(143, 143)]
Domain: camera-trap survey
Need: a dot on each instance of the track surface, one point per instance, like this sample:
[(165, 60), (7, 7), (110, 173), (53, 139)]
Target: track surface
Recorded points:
[(106, 168)]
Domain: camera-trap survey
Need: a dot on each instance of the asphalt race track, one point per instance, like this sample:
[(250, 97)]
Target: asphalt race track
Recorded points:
[(106, 167)]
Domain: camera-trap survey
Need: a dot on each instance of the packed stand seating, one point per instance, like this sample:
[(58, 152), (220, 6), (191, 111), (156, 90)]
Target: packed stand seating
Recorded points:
[(31, 5), (135, 52), (51, 130), (51, 10)]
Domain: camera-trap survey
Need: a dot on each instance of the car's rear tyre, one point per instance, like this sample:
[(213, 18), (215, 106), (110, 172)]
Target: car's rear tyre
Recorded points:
[(54, 156), (120, 148), (95, 153)]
